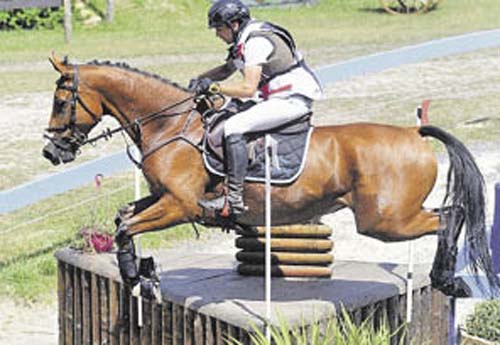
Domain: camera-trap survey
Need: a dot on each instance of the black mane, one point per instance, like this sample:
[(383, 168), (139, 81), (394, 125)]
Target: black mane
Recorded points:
[(125, 66)]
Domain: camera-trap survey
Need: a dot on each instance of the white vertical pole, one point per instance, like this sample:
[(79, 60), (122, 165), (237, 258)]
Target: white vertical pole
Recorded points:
[(68, 26), (137, 196), (409, 283), (411, 244), (268, 237)]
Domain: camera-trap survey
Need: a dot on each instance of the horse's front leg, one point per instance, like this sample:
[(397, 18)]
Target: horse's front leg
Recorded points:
[(167, 211), (133, 208)]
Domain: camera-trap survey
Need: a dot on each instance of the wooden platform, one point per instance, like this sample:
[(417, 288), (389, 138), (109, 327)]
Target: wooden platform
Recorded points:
[(204, 300)]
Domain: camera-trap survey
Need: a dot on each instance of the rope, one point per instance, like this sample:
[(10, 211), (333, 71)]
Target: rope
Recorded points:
[(36, 220)]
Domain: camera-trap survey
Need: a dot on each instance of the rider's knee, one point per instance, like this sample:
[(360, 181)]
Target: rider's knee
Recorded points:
[(232, 126)]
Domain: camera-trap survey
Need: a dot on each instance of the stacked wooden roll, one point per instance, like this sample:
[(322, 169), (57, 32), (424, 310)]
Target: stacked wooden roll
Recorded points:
[(296, 251)]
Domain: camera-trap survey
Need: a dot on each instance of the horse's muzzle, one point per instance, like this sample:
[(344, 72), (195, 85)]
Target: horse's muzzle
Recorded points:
[(55, 154)]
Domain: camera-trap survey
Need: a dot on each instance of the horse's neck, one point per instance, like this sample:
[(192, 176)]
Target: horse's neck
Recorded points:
[(132, 97)]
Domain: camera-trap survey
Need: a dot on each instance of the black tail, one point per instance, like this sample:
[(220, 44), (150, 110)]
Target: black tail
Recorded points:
[(465, 192)]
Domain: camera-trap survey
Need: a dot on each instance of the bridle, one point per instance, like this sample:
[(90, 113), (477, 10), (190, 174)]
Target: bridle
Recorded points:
[(78, 136)]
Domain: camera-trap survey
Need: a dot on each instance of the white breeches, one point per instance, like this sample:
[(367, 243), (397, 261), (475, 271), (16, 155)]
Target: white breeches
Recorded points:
[(266, 115)]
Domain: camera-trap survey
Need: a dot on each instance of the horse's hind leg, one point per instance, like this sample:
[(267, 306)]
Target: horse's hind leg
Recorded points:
[(394, 223)]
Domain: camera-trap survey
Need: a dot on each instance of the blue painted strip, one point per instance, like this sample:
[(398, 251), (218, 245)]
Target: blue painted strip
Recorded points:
[(410, 54), (32, 192), (495, 232), (37, 190)]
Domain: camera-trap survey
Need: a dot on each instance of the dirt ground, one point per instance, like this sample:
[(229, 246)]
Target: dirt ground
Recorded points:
[(459, 80)]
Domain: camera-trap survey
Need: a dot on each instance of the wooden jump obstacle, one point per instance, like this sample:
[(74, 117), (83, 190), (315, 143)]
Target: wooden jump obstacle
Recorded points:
[(204, 300), (296, 251)]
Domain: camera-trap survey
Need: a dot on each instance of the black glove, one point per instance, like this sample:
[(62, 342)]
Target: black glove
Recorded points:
[(193, 83), (207, 86)]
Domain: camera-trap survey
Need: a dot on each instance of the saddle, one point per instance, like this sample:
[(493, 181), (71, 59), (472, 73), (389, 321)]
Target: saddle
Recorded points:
[(289, 144)]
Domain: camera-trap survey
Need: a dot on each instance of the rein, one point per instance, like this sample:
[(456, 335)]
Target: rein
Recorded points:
[(140, 121)]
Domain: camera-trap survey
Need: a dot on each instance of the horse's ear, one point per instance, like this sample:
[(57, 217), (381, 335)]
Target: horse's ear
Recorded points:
[(60, 66)]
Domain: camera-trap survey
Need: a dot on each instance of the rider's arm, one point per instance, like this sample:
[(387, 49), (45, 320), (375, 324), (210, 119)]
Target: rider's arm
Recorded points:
[(221, 72), (245, 88), (257, 52)]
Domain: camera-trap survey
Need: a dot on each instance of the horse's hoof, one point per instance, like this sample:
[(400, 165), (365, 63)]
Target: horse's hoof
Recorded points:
[(148, 289), (121, 235), (461, 289), (456, 288), (123, 213)]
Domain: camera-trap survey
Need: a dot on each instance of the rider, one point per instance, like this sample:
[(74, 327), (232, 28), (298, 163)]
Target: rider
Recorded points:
[(273, 71)]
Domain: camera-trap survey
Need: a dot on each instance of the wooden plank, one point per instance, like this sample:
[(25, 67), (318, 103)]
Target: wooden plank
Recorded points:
[(219, 332), (210, 330), (134, 327), (124, 330), (114, 313), (95, 310), (286, 244), (168, 332), (61, 293), (104, 305), (243, 336), (86, 309), (199, 328), (414, 329), (286, 258), (286, 270), (232, 332), (426, 305), (146, 328), (189, 327), (393, 317), (178, 324), (77, 306), (445, 325), (302, 230), (436, 317), (156, 327), (19, 4), (402, 317), (69, 288)]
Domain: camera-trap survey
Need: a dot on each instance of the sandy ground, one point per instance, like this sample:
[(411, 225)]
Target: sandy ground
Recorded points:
[(24, 115)]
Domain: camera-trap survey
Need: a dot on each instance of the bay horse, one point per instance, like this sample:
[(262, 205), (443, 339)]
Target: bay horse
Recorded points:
[(382, 173)]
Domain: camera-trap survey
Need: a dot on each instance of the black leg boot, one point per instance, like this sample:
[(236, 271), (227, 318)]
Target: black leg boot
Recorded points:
[(237, 163)]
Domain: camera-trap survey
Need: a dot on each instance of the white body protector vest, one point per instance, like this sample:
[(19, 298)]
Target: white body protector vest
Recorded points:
[(285, 73)]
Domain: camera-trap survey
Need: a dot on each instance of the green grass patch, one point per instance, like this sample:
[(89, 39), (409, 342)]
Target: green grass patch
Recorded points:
[(148, 28), (29, 237)]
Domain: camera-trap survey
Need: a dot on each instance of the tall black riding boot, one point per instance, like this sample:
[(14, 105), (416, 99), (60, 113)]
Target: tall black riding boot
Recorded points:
[(237, 163)]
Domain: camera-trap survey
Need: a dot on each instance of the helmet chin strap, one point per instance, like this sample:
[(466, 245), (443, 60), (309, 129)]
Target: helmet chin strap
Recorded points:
[(241, 26)]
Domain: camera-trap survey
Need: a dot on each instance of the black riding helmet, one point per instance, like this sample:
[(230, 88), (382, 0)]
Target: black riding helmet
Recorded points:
[(223, 12)]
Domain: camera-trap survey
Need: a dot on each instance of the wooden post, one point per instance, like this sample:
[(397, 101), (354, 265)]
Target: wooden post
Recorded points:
[(68, 28), (110, 10)]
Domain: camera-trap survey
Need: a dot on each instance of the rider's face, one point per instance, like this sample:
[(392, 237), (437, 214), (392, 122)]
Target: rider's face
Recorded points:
[(225, 33)]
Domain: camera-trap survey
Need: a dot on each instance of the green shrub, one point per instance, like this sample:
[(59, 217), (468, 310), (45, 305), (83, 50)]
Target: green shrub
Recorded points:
[(343, 332), (31, 18), (484, 322)]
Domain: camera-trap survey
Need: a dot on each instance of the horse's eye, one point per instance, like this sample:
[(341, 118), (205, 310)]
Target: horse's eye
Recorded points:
[(59, 103)]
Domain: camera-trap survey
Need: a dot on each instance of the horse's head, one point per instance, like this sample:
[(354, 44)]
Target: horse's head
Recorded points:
[(76, 110)]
